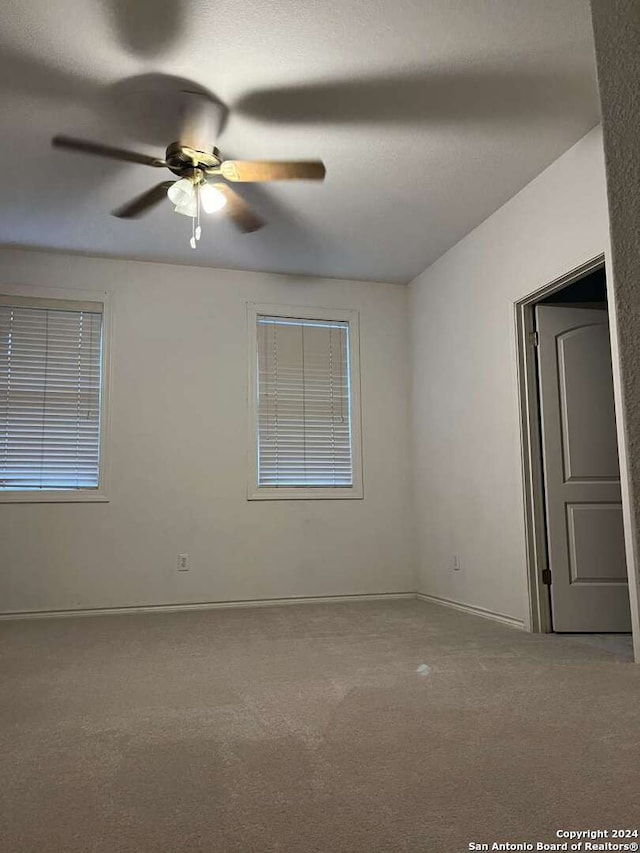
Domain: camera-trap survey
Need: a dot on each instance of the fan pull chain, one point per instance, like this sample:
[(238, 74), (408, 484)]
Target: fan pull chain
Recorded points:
[(198, 229)]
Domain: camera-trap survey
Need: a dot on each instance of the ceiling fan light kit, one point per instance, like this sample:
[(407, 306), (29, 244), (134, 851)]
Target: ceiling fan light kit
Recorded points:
[(191, 194), (203, 180)]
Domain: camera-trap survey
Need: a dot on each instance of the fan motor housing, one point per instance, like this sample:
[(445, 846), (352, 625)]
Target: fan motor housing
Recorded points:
[(181, 158)]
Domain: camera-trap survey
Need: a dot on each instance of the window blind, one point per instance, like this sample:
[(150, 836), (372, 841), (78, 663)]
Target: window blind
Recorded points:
[(50, 376), (304, 418)]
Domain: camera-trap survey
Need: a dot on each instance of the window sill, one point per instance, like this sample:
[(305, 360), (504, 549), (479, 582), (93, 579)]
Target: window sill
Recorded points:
[(305, 494), (54, 496)]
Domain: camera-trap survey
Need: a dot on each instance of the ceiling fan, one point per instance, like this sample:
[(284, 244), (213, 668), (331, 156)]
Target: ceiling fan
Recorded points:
[(202, 177)]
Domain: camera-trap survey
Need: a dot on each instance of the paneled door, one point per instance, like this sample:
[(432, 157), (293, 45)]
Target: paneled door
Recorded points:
[(582, 478)]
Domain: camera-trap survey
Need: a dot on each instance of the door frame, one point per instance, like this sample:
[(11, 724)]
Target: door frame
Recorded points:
[(531, 448)]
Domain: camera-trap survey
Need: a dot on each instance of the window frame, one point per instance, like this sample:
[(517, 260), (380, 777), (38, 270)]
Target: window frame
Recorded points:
[(45, 297), (299, 312)]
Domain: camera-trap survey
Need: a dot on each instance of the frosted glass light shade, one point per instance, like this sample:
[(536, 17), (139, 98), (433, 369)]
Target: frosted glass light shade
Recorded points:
[(182, 192), (189, 207), (211, 198)]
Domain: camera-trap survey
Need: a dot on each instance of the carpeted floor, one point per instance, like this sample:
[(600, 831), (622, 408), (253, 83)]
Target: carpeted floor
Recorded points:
[(337, 728)]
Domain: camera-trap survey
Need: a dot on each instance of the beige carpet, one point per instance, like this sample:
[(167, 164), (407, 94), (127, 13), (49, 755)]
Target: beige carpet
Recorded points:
[(342, 728)]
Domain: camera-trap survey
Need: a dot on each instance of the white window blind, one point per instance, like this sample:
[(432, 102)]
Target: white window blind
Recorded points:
[(50, 377), (304, 417)]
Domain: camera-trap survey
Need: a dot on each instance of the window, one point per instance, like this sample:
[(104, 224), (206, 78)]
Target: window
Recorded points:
[(50, 398), (305, 430)]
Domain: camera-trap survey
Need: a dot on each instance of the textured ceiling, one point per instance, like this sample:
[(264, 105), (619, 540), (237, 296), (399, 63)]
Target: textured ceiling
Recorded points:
[(429, 114)]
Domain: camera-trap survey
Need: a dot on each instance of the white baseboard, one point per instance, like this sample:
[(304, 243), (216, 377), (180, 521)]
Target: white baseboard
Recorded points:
[(475, 611), (207, 605), (263, 602)]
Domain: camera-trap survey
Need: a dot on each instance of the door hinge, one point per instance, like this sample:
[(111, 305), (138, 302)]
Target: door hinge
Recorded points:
[(546, 577), (534, 339)]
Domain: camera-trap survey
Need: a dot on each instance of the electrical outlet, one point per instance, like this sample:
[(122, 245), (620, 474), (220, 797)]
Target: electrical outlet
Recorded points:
[(183, 562), (456, 563)]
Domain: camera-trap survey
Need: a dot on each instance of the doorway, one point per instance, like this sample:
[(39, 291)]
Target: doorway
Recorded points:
[(575, 534)]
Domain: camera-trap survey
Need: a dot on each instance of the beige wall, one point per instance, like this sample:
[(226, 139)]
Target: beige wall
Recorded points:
[(178, 450), (468, 481)]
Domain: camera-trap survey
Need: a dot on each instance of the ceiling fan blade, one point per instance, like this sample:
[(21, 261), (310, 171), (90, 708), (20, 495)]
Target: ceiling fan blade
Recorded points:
[(96, 148), (146, 35), (144, 202), (239, 211), (265, 170)]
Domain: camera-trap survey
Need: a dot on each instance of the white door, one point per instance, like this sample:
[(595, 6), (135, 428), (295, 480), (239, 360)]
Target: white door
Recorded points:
[(582, 479)]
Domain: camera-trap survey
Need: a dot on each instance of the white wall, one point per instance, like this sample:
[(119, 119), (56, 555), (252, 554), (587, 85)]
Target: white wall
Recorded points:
[(617, 37), (178, 450), (468, 481), (179, 354)]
